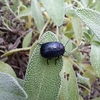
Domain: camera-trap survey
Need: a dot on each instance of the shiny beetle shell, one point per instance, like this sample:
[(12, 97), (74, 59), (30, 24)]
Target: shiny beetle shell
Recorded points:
[(50, 50)]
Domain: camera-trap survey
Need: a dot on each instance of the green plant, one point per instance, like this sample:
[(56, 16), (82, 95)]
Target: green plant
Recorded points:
[(81, 25)]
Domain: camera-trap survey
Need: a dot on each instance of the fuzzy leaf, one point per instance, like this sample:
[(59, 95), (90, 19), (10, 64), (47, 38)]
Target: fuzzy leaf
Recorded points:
[(37, 15), (69, 88), (25, 12), (95, 59), (67, 44), (55, 8), (91, 18), (27, 39), (77, 27), (89, 72), (10, 89), (83, 80), (42, 81), (6, 69)]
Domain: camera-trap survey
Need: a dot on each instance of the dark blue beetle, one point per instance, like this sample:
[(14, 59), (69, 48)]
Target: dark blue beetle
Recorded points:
[(50, 50)]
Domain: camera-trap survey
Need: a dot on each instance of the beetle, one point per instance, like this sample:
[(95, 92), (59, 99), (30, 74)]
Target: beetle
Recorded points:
[(50, 50)]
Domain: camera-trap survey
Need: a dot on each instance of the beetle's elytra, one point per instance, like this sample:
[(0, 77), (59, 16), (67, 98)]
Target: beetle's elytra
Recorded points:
[(50, 50)]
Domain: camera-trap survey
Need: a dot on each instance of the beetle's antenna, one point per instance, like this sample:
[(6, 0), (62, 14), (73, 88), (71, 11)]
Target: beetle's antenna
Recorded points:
[(67, 42), (67, 53)]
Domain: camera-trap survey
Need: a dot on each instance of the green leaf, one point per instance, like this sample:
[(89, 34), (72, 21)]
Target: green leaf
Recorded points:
[(25, 12), (97, 8), (42, 81), (91, 18), (27, 39), (6, 69), (77, 27), (32, 48), (95, 58), (87, 36), (21, 82), (80, 98), (68, 46), (78, 56), (14, 6), (84, 2), (55, 8), (10, 89), (69, 87), (94, 5), (89, 72), (37, 15), (83, 80), (90, 2)]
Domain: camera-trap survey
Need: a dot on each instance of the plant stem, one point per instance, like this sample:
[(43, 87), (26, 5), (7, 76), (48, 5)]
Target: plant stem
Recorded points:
[(84, 87), (75, 64)]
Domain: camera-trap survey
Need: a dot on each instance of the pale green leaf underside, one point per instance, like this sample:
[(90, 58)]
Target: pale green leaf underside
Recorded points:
[(77, 27), (27, 39), (10, 89), (42, 81), (95, 59), (69, 87), (7, 69), (37, 14), (55, 8), (26, 12), (91, 18)]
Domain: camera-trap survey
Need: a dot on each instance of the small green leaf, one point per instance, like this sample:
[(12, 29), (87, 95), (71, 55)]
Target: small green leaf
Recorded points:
[(90, 2), (21, 82), (83, 80), (55, 8), (10, 89), (6, 69), (95, 58), (25, 12), (78, 56), (33, 47), (80, 97), (27, 39), (84, 2), (68, 46), (77, 27), (69, 87), (87, 36), (37, 14), (42, 81), (94, 5), (89, 72), (91, 18)]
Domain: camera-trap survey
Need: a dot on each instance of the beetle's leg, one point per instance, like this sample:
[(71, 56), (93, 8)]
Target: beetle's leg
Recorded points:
[(47, 60), (56, 60)]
